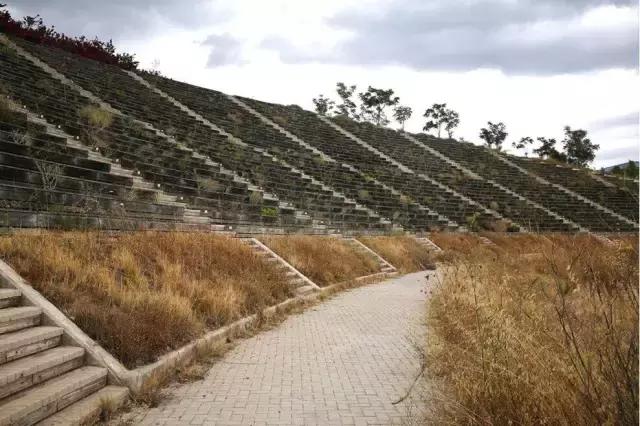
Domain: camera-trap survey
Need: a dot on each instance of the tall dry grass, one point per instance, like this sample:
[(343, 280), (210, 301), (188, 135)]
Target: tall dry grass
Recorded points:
[(538, 330), (324, 260), (143, 294), (405, 253)]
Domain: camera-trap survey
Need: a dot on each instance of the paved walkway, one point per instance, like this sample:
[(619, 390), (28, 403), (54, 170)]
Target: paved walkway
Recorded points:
[(343, 361)]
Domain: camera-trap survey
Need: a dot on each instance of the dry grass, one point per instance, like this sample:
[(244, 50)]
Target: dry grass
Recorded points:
[(538, 330), (143, 294), (324, 260), (405, 253)]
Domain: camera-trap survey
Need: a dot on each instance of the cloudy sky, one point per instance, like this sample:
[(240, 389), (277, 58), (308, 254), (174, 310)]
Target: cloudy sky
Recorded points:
[(536, 65)]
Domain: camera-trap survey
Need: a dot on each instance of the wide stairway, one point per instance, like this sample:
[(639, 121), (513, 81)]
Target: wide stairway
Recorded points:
[(42, 380)]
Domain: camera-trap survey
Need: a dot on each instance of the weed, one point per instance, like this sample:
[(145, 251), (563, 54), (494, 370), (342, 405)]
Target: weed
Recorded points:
[(535, 330), (96, 117), (108, 406)]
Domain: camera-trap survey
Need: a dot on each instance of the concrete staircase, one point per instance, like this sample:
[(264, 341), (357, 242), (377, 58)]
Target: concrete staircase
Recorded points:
[(428, 244), (564, 189), (385, 266), (298, 281), (41, 379), (192, 218), (283, 204), (450, 191)]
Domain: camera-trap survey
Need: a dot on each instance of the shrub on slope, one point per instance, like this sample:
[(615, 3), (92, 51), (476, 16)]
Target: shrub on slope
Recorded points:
[(324, 260), (405, 253), (143, 294), (538, 330)]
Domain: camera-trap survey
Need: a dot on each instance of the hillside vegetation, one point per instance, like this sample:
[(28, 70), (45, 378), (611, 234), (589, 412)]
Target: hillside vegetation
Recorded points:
[(405, 253), (142, 294), (535, 330), (325, 260)]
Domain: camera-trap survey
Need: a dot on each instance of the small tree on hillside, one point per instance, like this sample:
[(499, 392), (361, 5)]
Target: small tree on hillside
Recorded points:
[(631, 171), (374, 102), (522, 143), (323, 106), (436, 117), (547, 149), (494, 135), (347, 108), (402, 114), (578, 148), (452, 120)]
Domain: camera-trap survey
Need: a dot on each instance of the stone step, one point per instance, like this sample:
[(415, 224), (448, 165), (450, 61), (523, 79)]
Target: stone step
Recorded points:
[(89, 410), (12, 319), (37, 403), (304, 290), (9, 297), (29, 371), (29, 341), (297, 282)]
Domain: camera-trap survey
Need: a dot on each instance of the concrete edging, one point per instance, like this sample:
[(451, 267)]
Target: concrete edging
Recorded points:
[(136, 378)]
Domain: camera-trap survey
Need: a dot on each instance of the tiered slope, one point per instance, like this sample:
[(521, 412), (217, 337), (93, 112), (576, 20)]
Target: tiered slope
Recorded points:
[(84, 144)]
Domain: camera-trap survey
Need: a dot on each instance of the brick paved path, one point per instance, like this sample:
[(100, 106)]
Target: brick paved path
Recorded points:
[(341, 362)]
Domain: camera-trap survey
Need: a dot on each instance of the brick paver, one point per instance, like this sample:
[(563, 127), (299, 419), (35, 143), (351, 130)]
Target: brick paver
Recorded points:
[(343, 361)]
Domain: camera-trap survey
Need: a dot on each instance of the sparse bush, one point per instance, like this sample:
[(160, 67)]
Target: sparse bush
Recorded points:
[(96, 117), (255, 198), (32, 29), (535, 330), (207, 184), (21, 138)]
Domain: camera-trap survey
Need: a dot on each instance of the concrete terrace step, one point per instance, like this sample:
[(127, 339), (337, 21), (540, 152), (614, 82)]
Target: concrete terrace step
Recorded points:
[(12, 319), (88, 410), (29, 371), (304, 290), (26, 342), (9, 297), (35, 404)]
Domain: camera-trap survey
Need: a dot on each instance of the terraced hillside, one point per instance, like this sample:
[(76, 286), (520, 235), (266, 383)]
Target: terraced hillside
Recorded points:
[(84, 144)]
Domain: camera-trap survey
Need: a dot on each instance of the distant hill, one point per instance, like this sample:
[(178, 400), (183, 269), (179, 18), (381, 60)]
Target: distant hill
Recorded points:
[(621, 166)]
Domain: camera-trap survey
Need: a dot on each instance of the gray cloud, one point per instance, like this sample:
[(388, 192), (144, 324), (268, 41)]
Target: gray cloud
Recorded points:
[(625, 120), (447, 35), (118, 19), (618, 155), (225, 50)]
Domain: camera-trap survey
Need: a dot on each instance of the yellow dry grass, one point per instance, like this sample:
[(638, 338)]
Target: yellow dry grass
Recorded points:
[(538, 330), (143, 294), (324, 260), (405, 253)]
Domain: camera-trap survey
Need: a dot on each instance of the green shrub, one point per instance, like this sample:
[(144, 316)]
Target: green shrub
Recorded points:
[(269, 212)]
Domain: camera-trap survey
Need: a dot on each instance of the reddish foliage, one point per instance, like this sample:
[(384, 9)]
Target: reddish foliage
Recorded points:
[(33, 29)]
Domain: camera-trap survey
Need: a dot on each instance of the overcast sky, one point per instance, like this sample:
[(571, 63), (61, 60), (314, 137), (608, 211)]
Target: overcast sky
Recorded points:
[(536, 65)]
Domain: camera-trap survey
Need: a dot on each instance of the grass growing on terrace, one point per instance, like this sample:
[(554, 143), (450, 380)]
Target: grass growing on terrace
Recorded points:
[(538, 330), (324, 260), (143, 294), (405, 253)]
